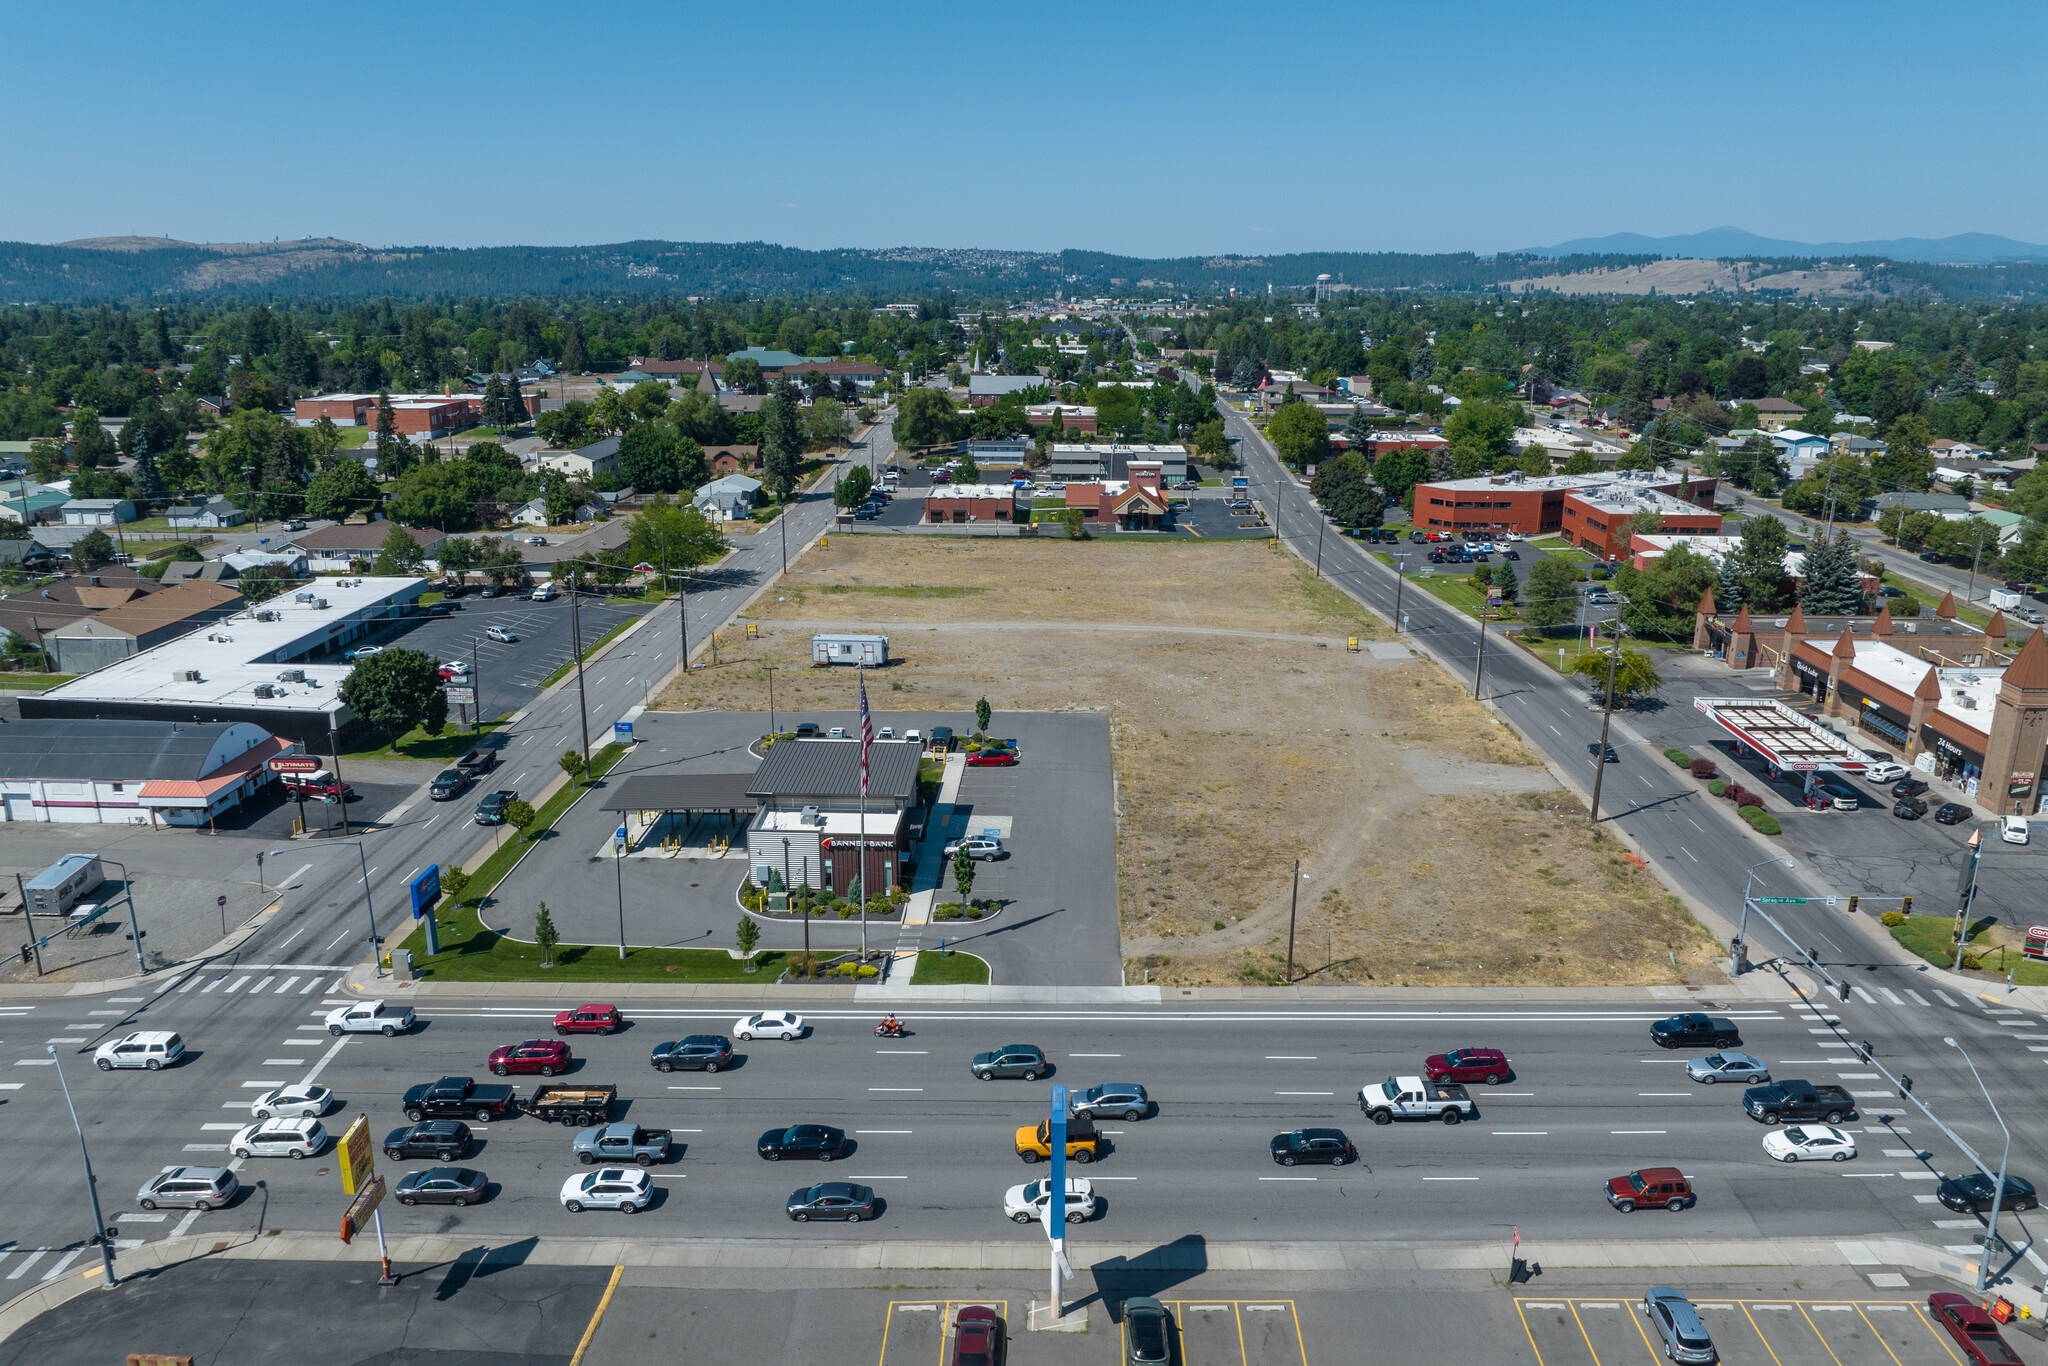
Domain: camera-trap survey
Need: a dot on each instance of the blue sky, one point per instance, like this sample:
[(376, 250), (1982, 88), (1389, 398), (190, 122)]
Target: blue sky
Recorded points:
[(1150, 130)]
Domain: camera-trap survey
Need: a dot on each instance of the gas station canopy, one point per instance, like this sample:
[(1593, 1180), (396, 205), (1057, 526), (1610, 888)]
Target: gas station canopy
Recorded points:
[(1788, 740)]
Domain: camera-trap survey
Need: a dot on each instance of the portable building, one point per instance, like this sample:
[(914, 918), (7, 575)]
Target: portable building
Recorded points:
[(843, 649), (59, 887)]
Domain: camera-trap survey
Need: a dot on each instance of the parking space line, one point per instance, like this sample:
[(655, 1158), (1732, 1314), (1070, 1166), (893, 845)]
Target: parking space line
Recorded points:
[(1755, 1328), (1819, 1335), (1584, 1336), (1878, 1335)]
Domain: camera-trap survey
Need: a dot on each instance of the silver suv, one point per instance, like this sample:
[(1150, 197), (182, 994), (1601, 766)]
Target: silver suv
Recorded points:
[(188, 1188), (1684, 1338)]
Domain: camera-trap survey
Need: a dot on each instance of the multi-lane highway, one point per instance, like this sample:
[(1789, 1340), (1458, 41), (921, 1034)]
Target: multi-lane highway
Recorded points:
[(1590, 1098)]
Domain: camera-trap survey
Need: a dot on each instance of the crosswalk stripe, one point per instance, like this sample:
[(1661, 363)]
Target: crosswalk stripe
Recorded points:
[(1891, 996), (311, 983), (285, 985), (262, 984), (1946, 999), (211, 985), (241, 982), (26, 1263), (1918, 998), (1863, 995)]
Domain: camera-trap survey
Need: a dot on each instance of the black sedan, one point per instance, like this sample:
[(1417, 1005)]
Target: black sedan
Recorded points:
[(832, 1200), (1951, 813), (1313, 1145), (441, 1186), (1695, 1030), (441, 1139), (1610, 757), (1972, 1194), (1909, 808), (1908, 787), (820, 1141)]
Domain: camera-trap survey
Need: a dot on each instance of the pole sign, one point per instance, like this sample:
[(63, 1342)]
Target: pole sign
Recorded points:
[(461, 695), (2036, 942), (1056, 1201), (357, 1159), (305, 763), (623, 729), (360, 1208)]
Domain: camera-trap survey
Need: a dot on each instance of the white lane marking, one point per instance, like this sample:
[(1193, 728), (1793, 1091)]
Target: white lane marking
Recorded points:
[(859, 1177), (1946, 999), (1635, 1131), (63, 1040), (106, 1012), (1520, 1133), (1290, 1057), (130, 1217), (1450, 1178), (696, 1088), (262, 984), (1095, 1055), (1918, 999), (885, 1131), (1864, 996), (35, 1062), (124, 1000), (1688, 853), (302, 1043), (211, 985), (237, 985), (190, 982), (184, 1224), (905, 1052), (1293, 1178), (1891, 996), (1664, 1093), (280, 1062), (285, 985), (310, 985), (221, 1128), (206, 1147), (1304, 1093), (325, 1058), (1820, 1031), (337, 939), (11, 1085), (27, 1262), (264, 1085), (909, 1088)]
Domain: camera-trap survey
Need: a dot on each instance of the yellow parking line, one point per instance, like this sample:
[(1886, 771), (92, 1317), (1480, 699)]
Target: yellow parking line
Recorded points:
[(590, 1331), (1300, 1343), (1527, 1334), (1817, 1334), (1744, 1307), (1939, 1333), (1879, 1336), (1573, 1305), (1640, 1330)]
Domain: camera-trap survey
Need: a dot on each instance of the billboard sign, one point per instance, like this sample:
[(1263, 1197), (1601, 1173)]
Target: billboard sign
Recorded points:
[(461, 695), (357, 1159), (297, 763), (362, 1207)]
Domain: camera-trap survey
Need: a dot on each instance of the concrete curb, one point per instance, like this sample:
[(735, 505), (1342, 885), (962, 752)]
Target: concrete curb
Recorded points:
[(1019, 1253), (1759, 989)]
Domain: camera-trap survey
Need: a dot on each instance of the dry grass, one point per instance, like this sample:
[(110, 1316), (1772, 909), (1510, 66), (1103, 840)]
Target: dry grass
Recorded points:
[(1434, 848)]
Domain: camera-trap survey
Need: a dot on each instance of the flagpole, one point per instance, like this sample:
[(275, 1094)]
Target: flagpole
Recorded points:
[(867, 730)]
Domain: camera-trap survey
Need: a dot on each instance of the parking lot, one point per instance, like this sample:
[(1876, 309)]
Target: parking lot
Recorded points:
[(509, 675), (1769, 1332)]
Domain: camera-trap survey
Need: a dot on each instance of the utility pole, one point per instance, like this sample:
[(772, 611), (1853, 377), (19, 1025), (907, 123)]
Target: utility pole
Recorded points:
[(1293, 904), (1479, 669), (476, 690), (576, 644), (1991, 1243), (1606, 717), (1971, 594), (771, 701), (340, 786), (100, 1233), (1321, 522), (1400, 581)]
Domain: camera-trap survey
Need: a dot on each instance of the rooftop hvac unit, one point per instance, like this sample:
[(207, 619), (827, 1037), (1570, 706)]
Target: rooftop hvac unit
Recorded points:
[(292, 676), (265, 690), (184, 675), (302, 597), (319, 604), (269, 614), (810, 816)]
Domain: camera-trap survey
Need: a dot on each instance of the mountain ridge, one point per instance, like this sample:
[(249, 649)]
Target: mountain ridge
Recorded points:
[(1966, 248)]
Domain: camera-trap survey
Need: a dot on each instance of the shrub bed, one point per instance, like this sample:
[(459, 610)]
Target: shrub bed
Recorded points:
[(1760, 820), (1703, 768), (1678, 757)]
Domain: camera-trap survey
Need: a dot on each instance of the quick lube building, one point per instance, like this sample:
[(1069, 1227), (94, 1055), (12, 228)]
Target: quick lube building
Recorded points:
[(275, 664)]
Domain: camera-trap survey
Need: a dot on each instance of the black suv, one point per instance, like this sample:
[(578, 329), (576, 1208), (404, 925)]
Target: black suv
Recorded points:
[(1695, 1031), (699, 1052), (1908, 787), (1313, 1145), (444, 1140)]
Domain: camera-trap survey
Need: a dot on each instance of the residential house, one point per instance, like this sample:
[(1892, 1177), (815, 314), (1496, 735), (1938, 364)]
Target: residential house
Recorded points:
[(534, 512), (215, 512), (28, 615), (585, 462), (1983, 475), (731, 499), (984, 390), (1952, 506), (1776, 414), (340, 549), (95, 641), (2011, 525), (229, 568), (731, 459), (98, 512), (41, 505), (1801, 450), (1844, 443)]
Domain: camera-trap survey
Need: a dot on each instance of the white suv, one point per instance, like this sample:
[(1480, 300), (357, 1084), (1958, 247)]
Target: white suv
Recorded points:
[(144, 1048), (279, 1138), (625, 1189), (978, 847)]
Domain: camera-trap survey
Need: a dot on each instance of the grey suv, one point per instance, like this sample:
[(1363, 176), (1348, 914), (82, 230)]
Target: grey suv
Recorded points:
[(188, 1188), (1117, 1099), (1011, 1060), (1684, 1338)]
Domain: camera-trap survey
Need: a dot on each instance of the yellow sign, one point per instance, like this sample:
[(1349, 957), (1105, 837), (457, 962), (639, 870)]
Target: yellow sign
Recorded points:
[(360, 1208), (752, 630), (357, 1167), (1354, 644)]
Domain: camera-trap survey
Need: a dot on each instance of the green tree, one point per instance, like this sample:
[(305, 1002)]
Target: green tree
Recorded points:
[(45, 461), (1299, 433), (853, 488), (1070, 518), (544, 932), (743, 375), (519, 815), (90, 444), (1659, 602), (454, 882), (340, 491), (1118, 409), (747, 936), (400, 554), (1830, 583), (1907, 464), (1637, 457), (1635, 674), (397, 690), (1553, 595), (435, 494), (1506, 580), (262, 583), (782, 443), (1345, 490), (1759, 558), (981, 716), (573, 763), (1489, 428), (963, 873), (92, 550), (456, 555), (825, 423), (656, 458), (674, 536), (1580, 461), (1212, 446), (1398, 472), (967, 472), (924, 417)]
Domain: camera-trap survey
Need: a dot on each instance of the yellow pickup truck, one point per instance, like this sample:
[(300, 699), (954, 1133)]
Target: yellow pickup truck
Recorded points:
[(1034, 1144)]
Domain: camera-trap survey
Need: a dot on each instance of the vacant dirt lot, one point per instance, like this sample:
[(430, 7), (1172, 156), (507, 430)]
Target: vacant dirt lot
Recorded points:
[(1435, 850)]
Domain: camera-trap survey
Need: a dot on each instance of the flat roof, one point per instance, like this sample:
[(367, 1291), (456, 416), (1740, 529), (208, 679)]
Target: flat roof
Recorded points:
[(681, 792), (796, 770), (239, 651), (1789, 740), (1594, 483)]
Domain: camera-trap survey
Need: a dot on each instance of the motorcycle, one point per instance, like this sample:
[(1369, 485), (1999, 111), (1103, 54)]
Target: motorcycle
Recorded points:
[(888, 1031)]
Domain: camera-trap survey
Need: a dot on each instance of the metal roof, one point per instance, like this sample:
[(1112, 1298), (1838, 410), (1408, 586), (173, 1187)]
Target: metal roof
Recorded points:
[(124, 750), (1789, 740), (682, 792), (830, 769)]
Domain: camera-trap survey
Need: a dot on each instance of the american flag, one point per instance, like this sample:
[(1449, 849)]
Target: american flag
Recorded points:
[(867, 735)]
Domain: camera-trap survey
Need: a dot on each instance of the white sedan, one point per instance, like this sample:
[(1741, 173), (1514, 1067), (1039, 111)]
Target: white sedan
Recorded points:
[(292, 1102), (783, 1024), (1026, 1203), (1809, 1143), (625, 1189), (279, 1138)]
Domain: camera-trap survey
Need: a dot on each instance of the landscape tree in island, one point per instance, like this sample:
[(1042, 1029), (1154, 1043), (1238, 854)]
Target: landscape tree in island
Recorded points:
[(398, 690), (747, 936), (963, 874), (1635, 675), (519, 816), (574, 764), (853, 488), (545, 934), (981, 715), (673, 536), (1552, 596)]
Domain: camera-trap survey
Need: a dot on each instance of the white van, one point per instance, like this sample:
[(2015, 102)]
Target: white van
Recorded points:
[(547, 592), (144, 1048)]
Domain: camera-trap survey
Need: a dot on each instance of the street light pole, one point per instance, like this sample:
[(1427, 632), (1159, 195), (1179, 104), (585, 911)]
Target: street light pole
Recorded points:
[(619, 881), (1998, 1190), (92, 1190), (134, 930), (1293, 903), (1400, 581), (576, 644), (1741, 946)]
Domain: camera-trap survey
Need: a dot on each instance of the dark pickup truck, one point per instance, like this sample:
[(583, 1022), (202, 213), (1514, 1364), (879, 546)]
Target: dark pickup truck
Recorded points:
[(460, 1098), (1798, 1100)]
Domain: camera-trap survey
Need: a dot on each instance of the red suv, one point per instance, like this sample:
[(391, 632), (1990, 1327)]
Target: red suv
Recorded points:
[(1664, 1186), (589, 1020), (545, 1056), (1489, 1065)]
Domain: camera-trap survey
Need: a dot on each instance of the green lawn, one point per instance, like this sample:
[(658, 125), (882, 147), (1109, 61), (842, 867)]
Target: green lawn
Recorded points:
[(453, 743), (353, 438), (1557, 549), (935, 969), (593, 648), (1930, 936), (34, 682), (1929, 601)]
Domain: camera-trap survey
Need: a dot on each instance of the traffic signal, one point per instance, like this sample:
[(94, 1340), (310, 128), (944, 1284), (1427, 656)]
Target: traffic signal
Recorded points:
[(1853, 899), (1844, 988), (1905, 1086), (1906, 905)]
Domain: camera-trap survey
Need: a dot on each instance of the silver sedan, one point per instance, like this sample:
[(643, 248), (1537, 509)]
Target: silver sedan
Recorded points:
[(1727, 1067)]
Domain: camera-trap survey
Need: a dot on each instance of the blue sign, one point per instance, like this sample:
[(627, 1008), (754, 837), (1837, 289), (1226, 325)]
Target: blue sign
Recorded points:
[(425, 889), (623, 729), (1056, 1134)]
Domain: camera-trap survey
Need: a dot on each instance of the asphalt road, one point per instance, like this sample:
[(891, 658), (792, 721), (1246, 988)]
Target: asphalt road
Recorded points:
[(1590, 1098)]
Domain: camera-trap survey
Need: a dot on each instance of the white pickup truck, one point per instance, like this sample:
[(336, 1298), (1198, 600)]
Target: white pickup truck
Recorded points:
[(370, 1017), (1413, 1098)]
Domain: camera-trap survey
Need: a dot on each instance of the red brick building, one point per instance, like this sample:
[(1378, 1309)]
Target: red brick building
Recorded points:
[(1604, 522), (1535, 506), (970, 503), (1403, 441)]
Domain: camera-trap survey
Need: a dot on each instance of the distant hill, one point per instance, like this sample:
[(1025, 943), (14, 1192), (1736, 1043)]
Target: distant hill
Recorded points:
[(1968, 248)]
